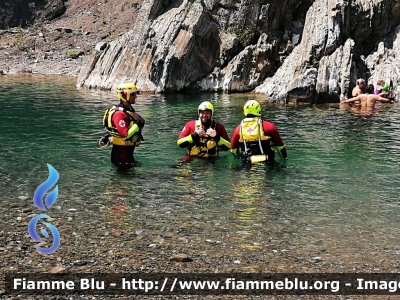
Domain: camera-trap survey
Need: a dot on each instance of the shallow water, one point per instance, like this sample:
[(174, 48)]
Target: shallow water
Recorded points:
[(336, 196)]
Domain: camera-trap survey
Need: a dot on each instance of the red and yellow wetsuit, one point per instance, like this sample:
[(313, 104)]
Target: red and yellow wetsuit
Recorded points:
[(257, 139), (204, 146), (126, 127)]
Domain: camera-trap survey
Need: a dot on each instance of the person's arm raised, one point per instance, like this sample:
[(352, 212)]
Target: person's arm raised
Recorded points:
[(382, 99), (354, 99)]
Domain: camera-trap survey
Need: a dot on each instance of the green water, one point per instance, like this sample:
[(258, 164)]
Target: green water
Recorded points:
[(336, 195)]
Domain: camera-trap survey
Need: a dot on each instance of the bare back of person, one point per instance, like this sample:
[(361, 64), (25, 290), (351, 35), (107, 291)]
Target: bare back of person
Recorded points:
[(368, 101)]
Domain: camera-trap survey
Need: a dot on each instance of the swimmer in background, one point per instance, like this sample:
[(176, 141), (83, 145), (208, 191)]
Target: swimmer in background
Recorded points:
[(359, 88), (368, 101), (381, 87), (369, 89)]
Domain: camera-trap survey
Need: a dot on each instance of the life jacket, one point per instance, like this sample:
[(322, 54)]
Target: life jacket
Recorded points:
[(109, 126), (206, 146), (253, 139)]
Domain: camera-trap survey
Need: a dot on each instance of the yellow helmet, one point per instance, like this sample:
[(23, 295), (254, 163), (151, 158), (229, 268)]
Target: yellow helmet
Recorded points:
[(252, 107), (126, 89), (206, 106)]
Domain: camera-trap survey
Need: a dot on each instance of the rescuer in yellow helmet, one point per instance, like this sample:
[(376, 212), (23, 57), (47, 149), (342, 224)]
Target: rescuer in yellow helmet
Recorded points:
[(204, 137), (255, 139), (124, 127)]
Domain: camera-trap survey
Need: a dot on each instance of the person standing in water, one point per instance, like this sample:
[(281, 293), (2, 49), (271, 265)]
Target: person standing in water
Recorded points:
[(359, 88), (368, 101), (255, 139), (124, 126), (204, 137)]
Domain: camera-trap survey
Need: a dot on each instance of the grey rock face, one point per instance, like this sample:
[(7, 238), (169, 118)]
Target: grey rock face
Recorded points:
[(167, 52), (212, 45), (244, 72), (335, 39), (291, 51), (384, 61)]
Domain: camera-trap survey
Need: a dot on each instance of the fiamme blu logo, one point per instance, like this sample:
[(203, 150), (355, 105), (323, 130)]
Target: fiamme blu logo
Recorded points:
[(44, 203)]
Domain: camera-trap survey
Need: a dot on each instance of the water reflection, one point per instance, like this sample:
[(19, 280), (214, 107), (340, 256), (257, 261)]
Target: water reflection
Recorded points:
[(250, 195)]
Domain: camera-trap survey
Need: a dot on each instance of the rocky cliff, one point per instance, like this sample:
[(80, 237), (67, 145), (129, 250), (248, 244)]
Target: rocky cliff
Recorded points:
[(224, 46), (290, 50)]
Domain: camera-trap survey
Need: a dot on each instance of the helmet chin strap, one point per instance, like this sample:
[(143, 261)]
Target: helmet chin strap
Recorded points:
[(126, 102), (128, 95)]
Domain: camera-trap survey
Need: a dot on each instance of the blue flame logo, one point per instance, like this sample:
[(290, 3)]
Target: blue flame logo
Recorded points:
[(44, 187), (39, 203), (32, 231)]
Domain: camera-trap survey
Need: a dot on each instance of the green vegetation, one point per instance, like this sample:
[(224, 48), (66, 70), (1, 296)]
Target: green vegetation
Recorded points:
[(112, 36), (19, 40), (134, 3), (72, 53), (215, 17), (312, 63), (244, 35)]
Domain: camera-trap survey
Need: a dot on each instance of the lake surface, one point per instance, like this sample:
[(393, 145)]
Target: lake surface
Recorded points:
[(335, 198)]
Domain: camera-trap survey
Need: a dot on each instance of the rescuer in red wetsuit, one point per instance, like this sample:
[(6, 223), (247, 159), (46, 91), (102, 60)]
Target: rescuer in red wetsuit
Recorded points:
[(255, 139), (204, 137), (125, 126)]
